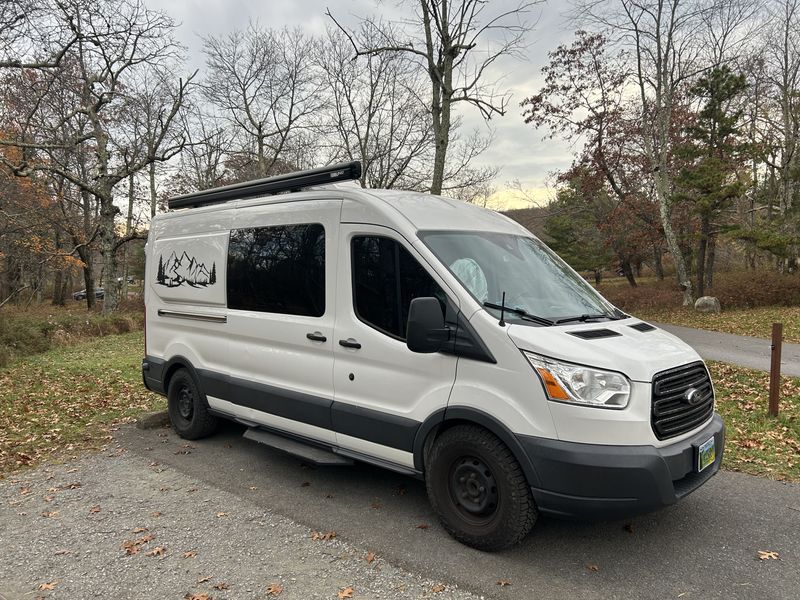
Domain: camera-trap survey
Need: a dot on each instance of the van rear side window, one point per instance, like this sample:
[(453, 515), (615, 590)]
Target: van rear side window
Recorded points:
[(278, 269)]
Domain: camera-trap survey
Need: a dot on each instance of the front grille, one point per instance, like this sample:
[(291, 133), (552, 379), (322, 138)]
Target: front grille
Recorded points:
[(672, 414)]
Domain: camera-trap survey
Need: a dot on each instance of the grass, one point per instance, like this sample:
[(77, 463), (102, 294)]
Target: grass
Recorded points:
[(758, 444), (27, 331), (67, 400), (756, 322)]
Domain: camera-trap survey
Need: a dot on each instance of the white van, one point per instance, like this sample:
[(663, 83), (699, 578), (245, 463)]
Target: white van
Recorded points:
[(426, 336)]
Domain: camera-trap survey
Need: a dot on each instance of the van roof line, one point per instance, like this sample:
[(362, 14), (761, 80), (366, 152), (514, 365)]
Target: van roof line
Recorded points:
[(289, 182)]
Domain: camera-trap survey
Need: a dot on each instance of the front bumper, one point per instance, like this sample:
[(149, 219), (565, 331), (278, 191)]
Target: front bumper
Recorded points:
[(598, 482)]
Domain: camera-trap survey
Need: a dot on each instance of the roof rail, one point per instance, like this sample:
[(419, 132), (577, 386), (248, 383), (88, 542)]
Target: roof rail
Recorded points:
[(290, 182)]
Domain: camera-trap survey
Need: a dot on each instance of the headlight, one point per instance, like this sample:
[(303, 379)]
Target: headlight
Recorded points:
[(565, 382)]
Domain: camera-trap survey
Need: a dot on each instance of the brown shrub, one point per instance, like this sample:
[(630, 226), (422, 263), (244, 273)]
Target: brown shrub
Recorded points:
[(738, 289)]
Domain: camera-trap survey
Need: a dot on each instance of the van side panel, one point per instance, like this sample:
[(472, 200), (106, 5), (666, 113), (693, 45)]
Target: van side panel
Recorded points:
[(185, 288)]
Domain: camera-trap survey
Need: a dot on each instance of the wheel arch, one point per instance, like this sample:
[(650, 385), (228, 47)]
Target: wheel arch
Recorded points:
[(445, 418), (176, 363)]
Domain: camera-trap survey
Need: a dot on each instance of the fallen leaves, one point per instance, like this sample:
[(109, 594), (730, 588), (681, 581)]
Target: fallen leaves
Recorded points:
[(592, 568), (157, 551), (221, 515), (190, 554), (95, 509), (190, 596), (317, 536), (345, 593), (503, 582), (220, 586), (204, 579), (134, 546), (274, 589), (438, 588), (369, 557), (423, 526), (48, 586), (50, 514), (768, 555)]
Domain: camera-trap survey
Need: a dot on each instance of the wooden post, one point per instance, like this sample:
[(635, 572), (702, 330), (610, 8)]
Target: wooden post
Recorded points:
[(775, 369)]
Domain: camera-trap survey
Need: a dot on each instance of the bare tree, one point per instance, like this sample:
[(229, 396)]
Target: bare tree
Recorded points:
[(376, 113), (665, 40), (116, 39), (263, 83), (443, 38)]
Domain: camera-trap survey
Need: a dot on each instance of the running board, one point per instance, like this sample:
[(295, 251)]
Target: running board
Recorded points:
[(311, 454)]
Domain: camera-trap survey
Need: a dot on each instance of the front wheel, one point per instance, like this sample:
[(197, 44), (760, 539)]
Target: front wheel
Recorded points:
[(188, 409), (478, 489)]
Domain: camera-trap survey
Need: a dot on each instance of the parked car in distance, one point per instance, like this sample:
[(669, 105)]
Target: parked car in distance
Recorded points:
[(99, 293)]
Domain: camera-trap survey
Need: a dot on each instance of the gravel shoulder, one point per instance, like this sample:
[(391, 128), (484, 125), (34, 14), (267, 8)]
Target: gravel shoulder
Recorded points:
[(120, 525)]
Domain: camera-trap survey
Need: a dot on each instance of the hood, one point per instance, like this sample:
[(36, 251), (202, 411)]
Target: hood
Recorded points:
[(637, 354)]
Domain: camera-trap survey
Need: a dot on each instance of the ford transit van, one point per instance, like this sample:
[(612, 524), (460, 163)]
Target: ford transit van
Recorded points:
[(423, 335)]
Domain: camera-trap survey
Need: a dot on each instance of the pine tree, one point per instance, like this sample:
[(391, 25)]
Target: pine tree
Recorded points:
[(160, 277), (213, 278)]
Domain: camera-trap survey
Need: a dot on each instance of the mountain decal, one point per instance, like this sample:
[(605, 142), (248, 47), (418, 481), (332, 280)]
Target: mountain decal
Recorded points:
[(185, 269)]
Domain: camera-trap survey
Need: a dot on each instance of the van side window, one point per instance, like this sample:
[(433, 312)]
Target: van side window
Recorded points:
[(386, 278), (278, 269)]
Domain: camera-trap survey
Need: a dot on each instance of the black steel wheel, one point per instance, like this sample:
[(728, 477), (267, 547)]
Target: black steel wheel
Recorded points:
[(188, 408), (478, 489)]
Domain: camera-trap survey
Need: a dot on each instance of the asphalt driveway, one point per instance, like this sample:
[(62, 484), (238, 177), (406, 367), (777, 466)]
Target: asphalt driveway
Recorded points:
[(741, 350), (705, 547)]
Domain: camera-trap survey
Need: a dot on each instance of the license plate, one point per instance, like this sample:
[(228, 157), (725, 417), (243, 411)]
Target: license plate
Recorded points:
[(706, 454)]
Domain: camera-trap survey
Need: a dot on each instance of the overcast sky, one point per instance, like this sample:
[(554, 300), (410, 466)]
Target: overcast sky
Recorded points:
[(518, 149)]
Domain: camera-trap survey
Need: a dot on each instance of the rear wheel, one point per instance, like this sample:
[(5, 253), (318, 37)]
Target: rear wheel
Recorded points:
[(478, 489), (188, 408)]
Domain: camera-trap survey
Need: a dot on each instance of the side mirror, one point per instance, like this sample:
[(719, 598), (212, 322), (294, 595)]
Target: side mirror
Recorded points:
[(426, 331)]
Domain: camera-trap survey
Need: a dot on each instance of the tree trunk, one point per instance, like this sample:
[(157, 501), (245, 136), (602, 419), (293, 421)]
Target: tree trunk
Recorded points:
[(108, 251), (627, 270), (712, 254), (598, 276), (701, 255), (658, 265), (58, 277), (85, 255)]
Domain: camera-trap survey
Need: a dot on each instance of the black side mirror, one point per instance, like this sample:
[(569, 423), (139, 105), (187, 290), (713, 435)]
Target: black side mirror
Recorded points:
[(426, 331)]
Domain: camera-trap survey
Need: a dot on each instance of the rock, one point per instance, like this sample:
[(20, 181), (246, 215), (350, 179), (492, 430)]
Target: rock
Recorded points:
[(153, 420), (707, 304)]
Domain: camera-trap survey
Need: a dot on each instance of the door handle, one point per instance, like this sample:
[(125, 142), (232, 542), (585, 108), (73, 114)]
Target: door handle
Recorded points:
[(316, 337), (350, 343)]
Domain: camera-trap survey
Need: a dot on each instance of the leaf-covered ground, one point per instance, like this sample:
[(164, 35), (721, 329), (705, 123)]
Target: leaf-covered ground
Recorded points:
[(756, 322), (758, 444), (66, 400)]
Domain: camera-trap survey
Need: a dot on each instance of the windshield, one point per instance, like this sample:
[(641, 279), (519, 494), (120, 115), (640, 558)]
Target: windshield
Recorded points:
[(535, 280)]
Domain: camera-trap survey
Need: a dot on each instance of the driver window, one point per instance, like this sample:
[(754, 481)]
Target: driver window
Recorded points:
[(386, 278)]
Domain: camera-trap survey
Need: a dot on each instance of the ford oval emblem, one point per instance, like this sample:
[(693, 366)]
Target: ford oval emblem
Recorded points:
[(692, 396)]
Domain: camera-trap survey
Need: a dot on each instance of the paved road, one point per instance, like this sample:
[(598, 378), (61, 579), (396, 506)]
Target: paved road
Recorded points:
[(741, 350), (704, 547)]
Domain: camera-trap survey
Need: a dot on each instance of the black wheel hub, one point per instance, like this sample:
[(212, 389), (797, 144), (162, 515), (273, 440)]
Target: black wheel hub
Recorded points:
[(185, 403), (473, 487)]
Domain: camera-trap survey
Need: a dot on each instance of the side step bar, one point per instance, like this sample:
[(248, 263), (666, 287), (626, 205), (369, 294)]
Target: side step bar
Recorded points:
[(311, 454)]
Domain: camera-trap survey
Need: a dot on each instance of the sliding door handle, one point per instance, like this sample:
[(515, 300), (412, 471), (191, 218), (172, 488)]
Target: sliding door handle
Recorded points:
[(350, 343), (316, 337)]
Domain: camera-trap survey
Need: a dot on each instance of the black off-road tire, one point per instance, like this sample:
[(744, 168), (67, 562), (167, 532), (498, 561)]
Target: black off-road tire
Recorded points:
[(478, 489), (188, 407)]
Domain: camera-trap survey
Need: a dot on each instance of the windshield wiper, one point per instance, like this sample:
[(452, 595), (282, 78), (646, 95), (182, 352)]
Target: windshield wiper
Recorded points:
[(523, 314), (583, 318)]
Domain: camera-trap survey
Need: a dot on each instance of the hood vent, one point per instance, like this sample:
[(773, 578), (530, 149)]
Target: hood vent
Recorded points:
[(594, 334), (643, 327)]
